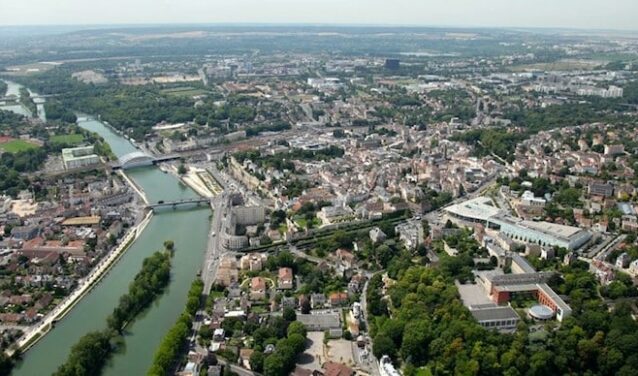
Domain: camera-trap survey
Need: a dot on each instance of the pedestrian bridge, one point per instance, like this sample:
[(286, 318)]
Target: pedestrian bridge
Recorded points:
[(141, 159)]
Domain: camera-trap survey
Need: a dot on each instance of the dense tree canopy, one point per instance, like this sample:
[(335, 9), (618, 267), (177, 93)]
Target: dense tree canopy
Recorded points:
[(88, 356), (147, 285), (431, 330)]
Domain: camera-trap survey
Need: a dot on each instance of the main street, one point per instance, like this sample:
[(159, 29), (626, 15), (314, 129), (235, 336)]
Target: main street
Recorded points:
[(214, 251)]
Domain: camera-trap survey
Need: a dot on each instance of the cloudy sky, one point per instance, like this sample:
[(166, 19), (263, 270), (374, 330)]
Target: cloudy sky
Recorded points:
[(589, 14)]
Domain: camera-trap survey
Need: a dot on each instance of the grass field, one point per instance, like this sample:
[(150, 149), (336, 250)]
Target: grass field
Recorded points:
[(185, 91), (68, 139), (15, 146)]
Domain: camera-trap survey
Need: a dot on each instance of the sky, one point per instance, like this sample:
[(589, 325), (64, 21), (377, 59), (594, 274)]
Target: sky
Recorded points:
[(581, 14)]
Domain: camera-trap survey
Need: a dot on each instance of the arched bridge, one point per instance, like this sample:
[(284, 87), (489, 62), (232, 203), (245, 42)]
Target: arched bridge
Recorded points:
[(141, 159)]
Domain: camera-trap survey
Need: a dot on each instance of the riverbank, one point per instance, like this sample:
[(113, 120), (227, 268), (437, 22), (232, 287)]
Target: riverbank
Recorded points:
[(101, 269), (140, 192), (187, 228), (86, 284), (193, 180)]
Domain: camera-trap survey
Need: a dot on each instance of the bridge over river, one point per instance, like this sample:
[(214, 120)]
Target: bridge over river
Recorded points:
[(176, 203), (141, 159)]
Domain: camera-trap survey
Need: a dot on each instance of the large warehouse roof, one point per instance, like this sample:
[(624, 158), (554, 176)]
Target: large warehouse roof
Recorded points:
[(480, 208)]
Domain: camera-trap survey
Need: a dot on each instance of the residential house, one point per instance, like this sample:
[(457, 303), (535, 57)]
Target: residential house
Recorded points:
[(337, 369), (285, 281), (227, 272), (257, 288), (338, 299), (377, 236), (253, 262)]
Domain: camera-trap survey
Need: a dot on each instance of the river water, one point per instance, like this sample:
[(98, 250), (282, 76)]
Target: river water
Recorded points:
[(14, 89), (188, 229)]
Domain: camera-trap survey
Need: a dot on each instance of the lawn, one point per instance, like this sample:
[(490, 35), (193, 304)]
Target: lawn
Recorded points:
[(67, 139), (186, 91), (15, 146)]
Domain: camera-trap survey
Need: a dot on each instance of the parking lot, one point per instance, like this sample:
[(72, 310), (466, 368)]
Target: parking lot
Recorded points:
[(313, 357)]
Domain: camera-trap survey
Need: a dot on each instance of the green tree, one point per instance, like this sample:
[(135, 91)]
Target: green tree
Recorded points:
[(274, 365), (257, 361), (297, 328), (383, 345), (289, 314)]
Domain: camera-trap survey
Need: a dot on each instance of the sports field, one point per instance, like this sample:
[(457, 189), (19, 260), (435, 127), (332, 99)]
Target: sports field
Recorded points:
[(67, 139), (15, 146)]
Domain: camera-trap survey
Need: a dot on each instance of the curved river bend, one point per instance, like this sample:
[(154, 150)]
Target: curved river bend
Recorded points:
[(188, 229)]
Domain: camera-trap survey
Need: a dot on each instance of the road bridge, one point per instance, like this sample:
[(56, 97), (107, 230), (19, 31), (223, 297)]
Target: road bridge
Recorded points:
[(176, 203)]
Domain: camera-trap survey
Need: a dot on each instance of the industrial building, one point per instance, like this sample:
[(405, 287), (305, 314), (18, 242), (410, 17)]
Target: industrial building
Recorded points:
[(541, 233)]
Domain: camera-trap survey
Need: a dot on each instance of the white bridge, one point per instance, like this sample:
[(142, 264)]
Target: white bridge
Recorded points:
[(141, 159)]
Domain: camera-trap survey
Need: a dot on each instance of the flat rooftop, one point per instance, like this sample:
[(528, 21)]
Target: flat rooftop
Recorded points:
[(480, 208), (494, 313), (551, 229), (82, 221), (323, 320)]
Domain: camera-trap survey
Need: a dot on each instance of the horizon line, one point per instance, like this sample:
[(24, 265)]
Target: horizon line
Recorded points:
[(313, 24)]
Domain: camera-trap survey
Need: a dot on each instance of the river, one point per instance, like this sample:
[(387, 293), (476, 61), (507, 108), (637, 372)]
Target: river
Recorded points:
[(187, 228), (14, 89)]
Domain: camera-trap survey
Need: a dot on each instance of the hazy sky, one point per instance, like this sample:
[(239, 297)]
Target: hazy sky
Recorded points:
[(594, 14)]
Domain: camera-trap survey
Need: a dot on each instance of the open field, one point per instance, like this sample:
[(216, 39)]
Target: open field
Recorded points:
[(15, 146), (69, 139), (186, 91)]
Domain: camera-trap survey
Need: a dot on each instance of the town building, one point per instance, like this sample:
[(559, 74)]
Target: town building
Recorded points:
[(257, 288), (330, 322), (411, 234), (377, 236), (623, 260), (335, 214), (79, 157), (285, 280), (493, 316)]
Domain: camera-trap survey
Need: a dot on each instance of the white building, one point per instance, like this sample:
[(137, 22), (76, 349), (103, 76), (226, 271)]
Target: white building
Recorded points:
[(386, 368), (481, 210), (528, 199), (79, 157), (411, 234)]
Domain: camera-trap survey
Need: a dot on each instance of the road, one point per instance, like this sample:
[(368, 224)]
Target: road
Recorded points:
[(371, 363), (241, 371)]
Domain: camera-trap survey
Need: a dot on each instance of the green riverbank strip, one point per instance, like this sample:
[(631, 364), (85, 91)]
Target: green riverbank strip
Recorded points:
[(170, 348), (89, 355)]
